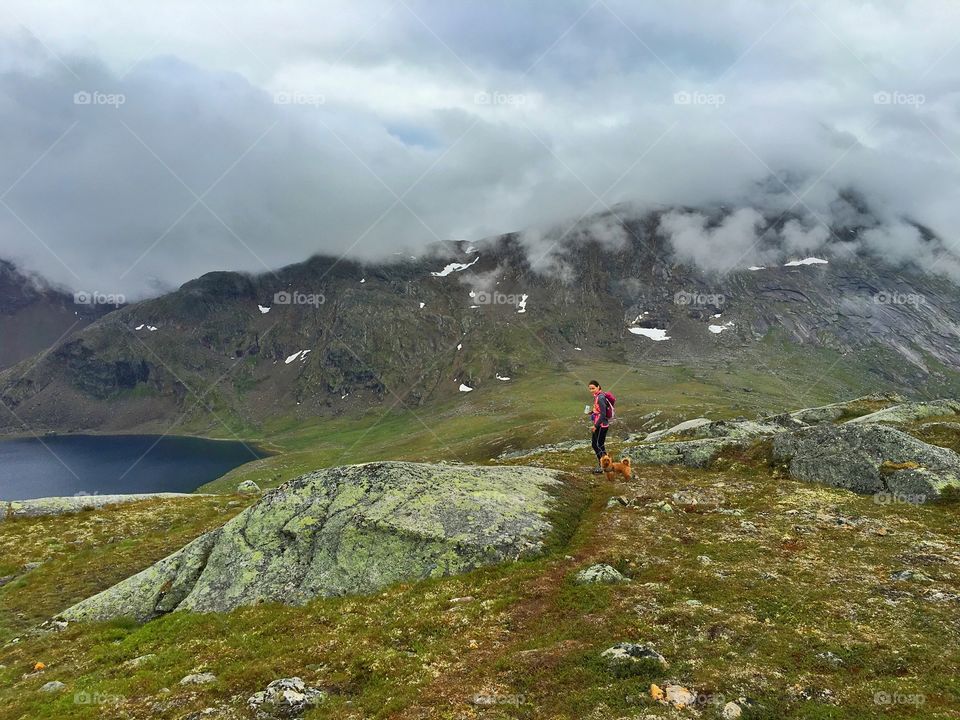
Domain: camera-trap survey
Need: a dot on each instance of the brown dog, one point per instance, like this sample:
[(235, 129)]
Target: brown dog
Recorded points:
[(611, 468)]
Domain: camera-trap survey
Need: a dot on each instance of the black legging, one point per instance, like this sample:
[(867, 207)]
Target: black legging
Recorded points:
[(599, 442)]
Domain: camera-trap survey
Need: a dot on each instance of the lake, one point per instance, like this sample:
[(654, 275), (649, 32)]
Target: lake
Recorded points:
[(104, 465)]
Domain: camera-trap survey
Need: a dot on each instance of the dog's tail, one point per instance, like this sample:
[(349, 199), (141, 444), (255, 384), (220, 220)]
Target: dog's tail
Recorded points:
[(626, 461)]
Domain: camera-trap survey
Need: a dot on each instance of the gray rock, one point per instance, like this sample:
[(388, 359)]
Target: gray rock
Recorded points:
[(284, 699), (62, 505), (54, 686), (566, 446), (199, 679), (248, 487), (600, 574), (907, 412), (140, 661), (344, 530), (627, 653), (731, 711), (868, 458), (835, 411), (691, 453), (679, 429)]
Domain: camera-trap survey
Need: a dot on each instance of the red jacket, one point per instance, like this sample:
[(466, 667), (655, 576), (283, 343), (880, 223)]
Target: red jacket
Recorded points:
[(601, 410)]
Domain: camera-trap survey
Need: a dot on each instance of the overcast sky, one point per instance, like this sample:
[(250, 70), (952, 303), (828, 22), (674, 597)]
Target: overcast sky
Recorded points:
[(145, 143)]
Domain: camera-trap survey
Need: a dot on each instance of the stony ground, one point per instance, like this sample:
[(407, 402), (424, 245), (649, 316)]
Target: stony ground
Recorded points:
[(793, 601)]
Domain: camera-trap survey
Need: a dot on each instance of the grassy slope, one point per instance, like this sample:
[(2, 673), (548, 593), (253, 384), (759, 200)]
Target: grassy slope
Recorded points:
[(772, 599), (545, 406)]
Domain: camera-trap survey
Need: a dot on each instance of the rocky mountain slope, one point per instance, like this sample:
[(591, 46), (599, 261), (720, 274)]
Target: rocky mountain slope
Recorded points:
[(34, 315), (329, 336)]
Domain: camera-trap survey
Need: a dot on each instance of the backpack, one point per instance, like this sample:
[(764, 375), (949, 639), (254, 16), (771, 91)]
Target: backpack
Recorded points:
[(612, 401)]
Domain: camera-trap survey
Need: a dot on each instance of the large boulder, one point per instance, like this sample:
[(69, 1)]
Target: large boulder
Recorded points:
[(690, 453), (908, 412), (868, 458), (847, 408), (344, 530), (703, 429)]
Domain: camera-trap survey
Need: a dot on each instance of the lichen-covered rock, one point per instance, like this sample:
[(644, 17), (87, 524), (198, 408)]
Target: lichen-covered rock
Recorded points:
[(836, 411), (907, 412), (691, 453), (702, 429), (340, 531), (284, 699), (627, 653), (76, 503), (248, 487), (867, 459), (565, 446), (600, 574)]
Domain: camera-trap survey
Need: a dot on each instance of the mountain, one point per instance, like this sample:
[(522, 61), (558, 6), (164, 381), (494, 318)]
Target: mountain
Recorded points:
[(34, 315), (330, 336)]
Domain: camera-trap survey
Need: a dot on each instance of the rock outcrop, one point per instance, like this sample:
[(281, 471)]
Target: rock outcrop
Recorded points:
[(340, 531), (908, 412), (868, 458), (77, 503)]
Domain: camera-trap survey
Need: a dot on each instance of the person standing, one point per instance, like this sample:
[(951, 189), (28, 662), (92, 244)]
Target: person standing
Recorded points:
[(599, 421)]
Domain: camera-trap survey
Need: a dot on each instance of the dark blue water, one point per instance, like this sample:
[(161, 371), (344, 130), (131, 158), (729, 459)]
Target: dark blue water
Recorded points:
[(87, 464)]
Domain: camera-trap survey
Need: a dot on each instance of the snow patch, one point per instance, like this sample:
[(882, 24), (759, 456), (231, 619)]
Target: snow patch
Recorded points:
[(263, 310), (807, 261), (465, 388), (717, 329), (422, 305), (501, 377), (756, 267), (302, 354), (523, 303), (655, 334), (139, 327), (151, 328), (454, 267)]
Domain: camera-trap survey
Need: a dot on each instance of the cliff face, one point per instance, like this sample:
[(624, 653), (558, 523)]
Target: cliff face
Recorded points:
[(315, 338)]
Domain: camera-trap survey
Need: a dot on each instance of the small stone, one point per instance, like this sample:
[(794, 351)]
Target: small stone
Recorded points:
[(461, 600), (626, 652), (139, 661), (910, 575), (248, 487), (284, 698), (694, 603), (31, 566), (831, 658), (665, 507), (704, 560), (747, 526), (54, 686), (600, 574), (199, 679), (679, 696), (731, 711)]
